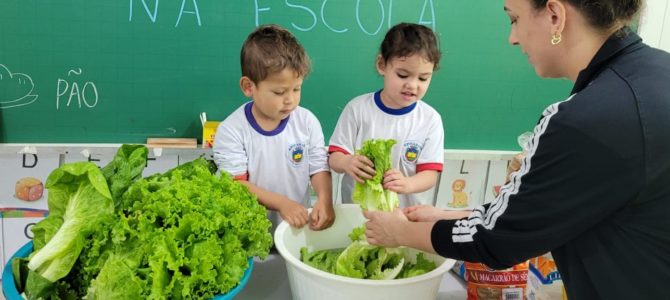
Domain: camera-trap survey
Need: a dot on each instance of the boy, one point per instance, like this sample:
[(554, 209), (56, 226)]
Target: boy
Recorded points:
[(270, 144)]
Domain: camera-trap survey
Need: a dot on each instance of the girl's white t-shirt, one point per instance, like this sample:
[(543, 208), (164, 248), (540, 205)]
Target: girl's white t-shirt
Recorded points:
[(417, 130)]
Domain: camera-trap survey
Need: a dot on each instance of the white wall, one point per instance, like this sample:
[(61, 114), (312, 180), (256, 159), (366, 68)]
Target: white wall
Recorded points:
[(655, 24)]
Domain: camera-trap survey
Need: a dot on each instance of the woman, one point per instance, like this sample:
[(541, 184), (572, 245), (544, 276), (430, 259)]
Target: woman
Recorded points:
[(594, 189)]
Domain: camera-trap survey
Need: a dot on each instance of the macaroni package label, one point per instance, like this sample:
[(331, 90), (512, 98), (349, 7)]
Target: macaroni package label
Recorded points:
[(484, 283)]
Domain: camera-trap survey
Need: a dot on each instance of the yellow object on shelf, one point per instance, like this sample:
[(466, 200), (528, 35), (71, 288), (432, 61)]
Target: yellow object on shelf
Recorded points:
[(208, 133)]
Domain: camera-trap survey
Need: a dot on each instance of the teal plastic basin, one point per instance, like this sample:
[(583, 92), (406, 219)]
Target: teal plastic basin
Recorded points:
[(9, 287)]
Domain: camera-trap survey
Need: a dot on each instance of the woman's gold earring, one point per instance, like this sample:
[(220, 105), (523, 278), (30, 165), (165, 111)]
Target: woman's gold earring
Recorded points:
[(555, 38)]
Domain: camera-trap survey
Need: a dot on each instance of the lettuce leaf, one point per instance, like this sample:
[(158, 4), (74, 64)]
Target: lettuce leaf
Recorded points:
[(357, 234), (80, 201), (108, 286), (422, 266), (79, 196), (371, 195), (44, 230), (125, 168), (362, 260), (323, 260)]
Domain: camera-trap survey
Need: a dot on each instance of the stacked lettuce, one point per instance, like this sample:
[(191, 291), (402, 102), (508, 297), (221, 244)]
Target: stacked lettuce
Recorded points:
[(111, 234), (360, 259)]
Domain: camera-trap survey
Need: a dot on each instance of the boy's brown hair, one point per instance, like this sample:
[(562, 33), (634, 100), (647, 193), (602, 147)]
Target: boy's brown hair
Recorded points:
[(270, 49)]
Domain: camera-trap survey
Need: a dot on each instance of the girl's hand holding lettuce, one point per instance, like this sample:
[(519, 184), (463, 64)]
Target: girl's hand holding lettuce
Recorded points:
[(370, 195)]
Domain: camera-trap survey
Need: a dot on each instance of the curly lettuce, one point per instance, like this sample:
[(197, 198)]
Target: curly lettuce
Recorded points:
[(183, 234)]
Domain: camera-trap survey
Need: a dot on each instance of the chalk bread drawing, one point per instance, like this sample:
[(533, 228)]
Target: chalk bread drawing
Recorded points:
[(15, 89)]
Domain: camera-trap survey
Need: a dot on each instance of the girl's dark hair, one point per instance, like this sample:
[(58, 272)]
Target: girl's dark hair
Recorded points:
[(406, 39), (603, 14)]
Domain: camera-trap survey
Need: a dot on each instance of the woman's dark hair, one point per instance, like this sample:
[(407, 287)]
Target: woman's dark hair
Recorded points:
[(406, 39), (603, 14)]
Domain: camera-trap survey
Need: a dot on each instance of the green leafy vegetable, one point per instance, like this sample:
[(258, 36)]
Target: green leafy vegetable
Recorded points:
[(79, 196), (357, 234), (362, 260), (20, 268), (44, 230), (115, 281), (323, 260), (125, 168), (183, 234), (422, 266), (371, 195)]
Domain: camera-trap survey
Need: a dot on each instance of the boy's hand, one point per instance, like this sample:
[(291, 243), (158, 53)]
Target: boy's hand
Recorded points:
[(293, 213), (395, 181), (359, 167), (429, 213), (322, 215)]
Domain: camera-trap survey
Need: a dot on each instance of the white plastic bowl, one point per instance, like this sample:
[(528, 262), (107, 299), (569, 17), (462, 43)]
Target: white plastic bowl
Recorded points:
[(310, 283)]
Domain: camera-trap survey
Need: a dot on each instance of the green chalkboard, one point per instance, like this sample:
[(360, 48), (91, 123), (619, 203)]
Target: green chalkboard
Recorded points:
[(81, 71)]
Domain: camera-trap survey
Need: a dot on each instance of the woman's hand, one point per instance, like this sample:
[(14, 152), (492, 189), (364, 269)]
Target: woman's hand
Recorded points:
[(383, 228)]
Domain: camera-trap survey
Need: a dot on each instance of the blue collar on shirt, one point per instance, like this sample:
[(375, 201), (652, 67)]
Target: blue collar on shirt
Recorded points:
[(254, 124), (392, 111)]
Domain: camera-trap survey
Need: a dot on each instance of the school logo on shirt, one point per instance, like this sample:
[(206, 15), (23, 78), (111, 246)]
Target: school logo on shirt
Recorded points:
[(296, 153), (411, 151)]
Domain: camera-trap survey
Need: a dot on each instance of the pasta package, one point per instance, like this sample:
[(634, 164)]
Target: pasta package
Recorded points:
[(544, 281), (484, 283)]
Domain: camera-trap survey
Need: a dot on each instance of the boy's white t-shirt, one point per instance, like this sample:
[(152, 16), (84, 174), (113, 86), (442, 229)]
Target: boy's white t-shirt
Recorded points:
[(280, 161), (417, 130)]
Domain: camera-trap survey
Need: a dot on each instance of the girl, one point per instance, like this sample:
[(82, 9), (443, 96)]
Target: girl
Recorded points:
[(408, 57)]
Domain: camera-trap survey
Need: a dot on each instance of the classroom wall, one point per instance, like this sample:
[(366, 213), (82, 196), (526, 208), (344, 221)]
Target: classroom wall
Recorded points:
[(655, 24)]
